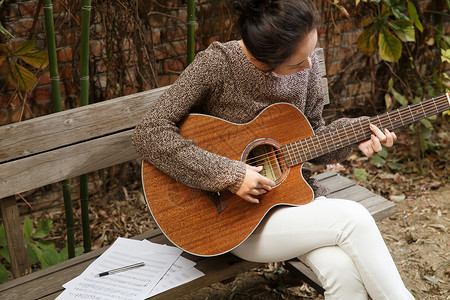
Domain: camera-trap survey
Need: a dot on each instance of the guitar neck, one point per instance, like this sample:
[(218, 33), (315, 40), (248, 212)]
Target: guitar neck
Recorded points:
[(315, 146)]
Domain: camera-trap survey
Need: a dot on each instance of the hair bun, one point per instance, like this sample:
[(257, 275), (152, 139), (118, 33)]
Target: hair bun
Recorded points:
[(248, 8)]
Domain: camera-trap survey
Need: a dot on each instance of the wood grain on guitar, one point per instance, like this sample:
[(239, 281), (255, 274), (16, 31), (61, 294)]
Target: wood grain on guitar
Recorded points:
[(279, 138)]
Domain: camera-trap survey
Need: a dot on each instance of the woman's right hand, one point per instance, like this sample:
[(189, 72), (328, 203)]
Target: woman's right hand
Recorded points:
[(254, 184)]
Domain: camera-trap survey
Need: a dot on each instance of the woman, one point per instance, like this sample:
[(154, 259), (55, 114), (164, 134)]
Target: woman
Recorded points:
[(274, 62)]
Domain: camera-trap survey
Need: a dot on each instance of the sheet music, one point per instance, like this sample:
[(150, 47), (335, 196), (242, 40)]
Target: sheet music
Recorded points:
[(182, 271), (137, 283)]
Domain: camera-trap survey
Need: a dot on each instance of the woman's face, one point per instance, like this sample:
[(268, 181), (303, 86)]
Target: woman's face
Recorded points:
[(300, 60)]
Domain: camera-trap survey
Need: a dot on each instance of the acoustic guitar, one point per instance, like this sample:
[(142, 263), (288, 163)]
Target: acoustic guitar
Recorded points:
[(281, 139)]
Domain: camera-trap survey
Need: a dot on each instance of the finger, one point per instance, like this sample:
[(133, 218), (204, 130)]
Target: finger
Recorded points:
[(389, 139), (266, 183), (257, 191), (256, 169), (376, 144), (378, 133), (251, 199), (368, 151)]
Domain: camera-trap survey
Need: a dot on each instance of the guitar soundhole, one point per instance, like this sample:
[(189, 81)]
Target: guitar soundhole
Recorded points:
[(270, 157)]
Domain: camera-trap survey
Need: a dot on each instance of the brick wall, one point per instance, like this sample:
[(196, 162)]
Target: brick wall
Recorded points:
[(135, 47)]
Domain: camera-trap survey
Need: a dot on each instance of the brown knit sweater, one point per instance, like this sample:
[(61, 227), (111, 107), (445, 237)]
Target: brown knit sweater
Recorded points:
[(222, 82)]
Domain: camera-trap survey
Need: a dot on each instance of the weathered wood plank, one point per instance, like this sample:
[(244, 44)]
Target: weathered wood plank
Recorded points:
[(79, 124), (337, 183), (20, 263), (49, 167), (357, 193)]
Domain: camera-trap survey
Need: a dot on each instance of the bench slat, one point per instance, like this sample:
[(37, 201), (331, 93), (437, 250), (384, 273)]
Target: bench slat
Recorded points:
[(71, 126), (50, 167)]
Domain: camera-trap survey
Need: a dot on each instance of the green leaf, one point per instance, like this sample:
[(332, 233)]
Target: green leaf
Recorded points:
[(3, 242), (4, 31), (3, 274), (45, 245), (49, 258), (43, 229), (25, 47), (445, 55), (404, 30), (367, 40), (37, 59), (366, 22), (383, 153), (400, 98), (414, 16), (389, 45), (27, 228), (360, 174), (5, 253), (426, 123), (22, 78), (378, 161), (64, 254), (394, 165), (79, 250), (34, 253)]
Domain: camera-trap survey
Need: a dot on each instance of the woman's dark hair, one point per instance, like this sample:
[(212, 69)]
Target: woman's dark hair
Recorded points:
[(272, 29)]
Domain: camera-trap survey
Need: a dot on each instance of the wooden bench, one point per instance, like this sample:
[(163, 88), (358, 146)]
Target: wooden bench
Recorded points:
[(67, 144)]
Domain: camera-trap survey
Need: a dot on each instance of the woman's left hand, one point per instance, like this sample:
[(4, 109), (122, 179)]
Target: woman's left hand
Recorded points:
[(377, 140)]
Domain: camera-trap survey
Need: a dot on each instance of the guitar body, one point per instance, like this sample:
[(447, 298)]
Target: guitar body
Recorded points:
[(208, 224)]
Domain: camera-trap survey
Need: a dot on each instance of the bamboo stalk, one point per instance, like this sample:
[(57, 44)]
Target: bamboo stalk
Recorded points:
[(84, 84), (57, 106), (190, 30)]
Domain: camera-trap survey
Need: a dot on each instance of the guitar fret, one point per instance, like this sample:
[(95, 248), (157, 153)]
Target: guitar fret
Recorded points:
[(340, 141), (424, 113), (295, 147), (380, 124), (346, 134), (434, 103), (389, 118), (400, 116), (362, 129), (299, 151), (412, 116), (313, 147), (323, 151), (354, 133)]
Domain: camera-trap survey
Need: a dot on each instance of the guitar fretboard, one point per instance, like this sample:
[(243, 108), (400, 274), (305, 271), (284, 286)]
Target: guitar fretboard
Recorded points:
[(315, 146)]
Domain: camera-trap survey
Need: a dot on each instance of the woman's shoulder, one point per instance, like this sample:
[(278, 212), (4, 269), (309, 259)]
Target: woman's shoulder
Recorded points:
[(216, 57), (221, 51)]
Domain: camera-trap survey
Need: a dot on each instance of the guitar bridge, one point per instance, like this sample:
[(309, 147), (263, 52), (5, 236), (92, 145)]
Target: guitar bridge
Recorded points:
[(217, 199)]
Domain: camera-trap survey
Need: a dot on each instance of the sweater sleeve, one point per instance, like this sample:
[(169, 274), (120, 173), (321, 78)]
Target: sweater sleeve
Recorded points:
[(313, 112), (157, 140)]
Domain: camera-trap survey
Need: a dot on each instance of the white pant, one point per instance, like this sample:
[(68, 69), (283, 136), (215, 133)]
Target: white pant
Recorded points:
[(338, 239)]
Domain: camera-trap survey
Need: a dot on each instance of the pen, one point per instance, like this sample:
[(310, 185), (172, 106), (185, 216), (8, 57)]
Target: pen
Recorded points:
[(121, 269)]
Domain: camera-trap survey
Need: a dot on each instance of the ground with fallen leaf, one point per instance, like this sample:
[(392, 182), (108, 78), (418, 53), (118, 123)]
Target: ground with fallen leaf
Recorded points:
[(417, 235)]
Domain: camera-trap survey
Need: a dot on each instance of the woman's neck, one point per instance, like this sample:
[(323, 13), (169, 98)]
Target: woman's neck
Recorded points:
[(260, 65)]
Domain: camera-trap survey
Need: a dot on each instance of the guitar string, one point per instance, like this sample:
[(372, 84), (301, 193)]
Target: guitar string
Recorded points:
[(439, 108), (430, 105), (364, 135), (381, 121)]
